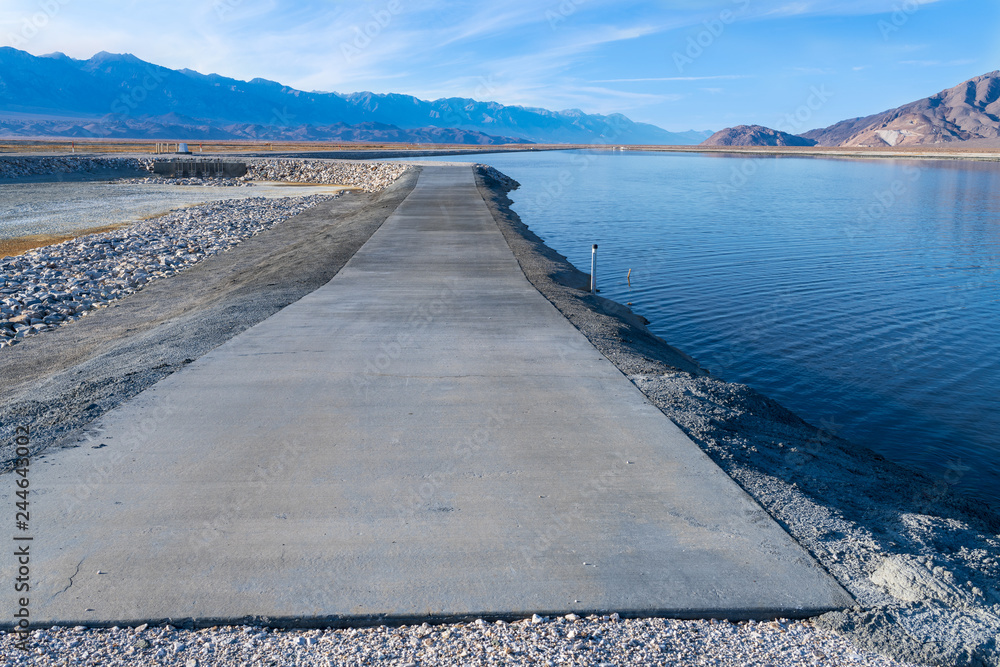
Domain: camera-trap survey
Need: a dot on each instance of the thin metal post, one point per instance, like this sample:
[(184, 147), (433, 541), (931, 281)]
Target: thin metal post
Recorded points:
[(593, 270)]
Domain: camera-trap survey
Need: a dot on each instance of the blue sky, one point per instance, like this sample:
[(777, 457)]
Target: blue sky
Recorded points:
[(680, 64)]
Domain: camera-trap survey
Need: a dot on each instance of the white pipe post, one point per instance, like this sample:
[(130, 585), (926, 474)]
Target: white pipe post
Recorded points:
[(593, 270)]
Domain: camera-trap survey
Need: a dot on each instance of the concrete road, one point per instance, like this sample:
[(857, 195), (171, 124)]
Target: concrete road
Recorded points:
[(423, 437)]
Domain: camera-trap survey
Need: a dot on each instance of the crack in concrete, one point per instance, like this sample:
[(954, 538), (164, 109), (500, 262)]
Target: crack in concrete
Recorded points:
[(70, 584)]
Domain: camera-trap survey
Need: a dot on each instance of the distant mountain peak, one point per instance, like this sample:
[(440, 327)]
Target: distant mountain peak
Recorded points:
[(755, 135), (968, 111), (107, 57)]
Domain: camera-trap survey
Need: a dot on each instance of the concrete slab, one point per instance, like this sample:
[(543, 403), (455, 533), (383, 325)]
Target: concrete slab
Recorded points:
[(423, 437)]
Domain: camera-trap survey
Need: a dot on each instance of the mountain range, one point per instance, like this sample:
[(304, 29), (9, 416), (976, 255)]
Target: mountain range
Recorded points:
[(969, 111), (172, 126), (114, 95)]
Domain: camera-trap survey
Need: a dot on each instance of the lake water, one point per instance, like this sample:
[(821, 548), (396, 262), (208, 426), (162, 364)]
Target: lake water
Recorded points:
[(862, 294)]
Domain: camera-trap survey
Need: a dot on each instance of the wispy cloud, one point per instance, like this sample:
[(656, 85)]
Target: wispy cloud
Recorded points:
[(785, 9), (677, 78), (938, 63), (813, 71), (791, 9)]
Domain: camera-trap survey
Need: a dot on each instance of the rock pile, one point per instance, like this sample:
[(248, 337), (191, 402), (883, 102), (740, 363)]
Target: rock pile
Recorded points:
[(16, 167), (205, 182), (495, 174), (48, 287), (368, 176)]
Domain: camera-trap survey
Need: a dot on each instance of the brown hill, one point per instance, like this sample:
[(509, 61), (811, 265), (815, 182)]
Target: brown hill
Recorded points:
[(969, 111), (755, 135)]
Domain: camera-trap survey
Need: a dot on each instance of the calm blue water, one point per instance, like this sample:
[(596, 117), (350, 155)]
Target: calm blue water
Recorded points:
[(863, 295)]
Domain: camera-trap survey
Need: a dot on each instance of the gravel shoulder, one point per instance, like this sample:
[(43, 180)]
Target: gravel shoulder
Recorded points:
[(922, 563), (66, 378)]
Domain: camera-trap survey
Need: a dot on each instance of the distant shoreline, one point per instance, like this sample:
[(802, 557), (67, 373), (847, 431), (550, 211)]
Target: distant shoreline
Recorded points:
[(341, 151), (907, 152)]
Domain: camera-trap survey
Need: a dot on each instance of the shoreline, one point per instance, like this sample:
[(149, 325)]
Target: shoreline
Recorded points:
[(920, 561), (137, 150), (907, 153)]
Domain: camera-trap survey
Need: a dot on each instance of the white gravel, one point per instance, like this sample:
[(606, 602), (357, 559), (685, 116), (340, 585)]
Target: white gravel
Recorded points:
[(536, 641), (52, 286), (19, 167), (55, 285), (368, 176), (204, 182)]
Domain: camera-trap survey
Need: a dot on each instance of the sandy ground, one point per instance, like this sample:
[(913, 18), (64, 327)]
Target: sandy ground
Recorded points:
[(922, 565), (21, 244)]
